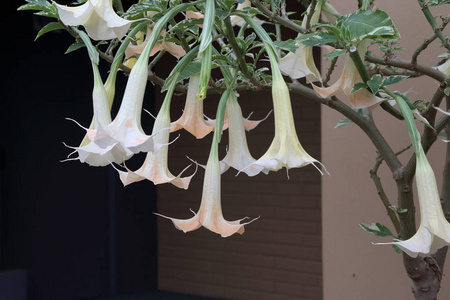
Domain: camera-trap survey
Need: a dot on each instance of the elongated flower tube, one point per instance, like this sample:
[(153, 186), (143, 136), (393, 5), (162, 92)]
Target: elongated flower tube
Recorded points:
[(192, 119), (155, 167), (89, 152), (434, 230), (301, 63), (238, 155), (210, 213), (97, 17), (285, 150), (126, 127), (349, 77)]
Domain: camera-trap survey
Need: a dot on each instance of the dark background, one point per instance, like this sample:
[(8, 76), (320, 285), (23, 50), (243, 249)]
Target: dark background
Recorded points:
[(74, 229)]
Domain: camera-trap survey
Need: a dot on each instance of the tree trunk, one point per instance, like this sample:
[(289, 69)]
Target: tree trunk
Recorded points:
[(426, 277)]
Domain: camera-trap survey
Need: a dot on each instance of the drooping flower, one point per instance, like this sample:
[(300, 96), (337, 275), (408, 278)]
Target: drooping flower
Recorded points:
[(155, 167), (301, 63), (192, 119), (446, 113), (210, 213), (238, 155), (88, 151), (285, 149), (445, 67), (172, 48), (236, 20), (434, 230), (97, 17), (126, 127), (349, 77)]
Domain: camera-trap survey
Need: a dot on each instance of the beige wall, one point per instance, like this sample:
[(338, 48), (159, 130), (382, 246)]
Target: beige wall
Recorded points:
[(353, 267)]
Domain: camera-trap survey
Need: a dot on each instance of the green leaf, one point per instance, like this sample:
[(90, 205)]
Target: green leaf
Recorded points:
[(317, 38), (393, 79), (368, 24), (335, 53), (289, 45), (358, 86), (376, 229), (35, 5), (375, 83), (49, 27), (191, 69), (343, 122), (442, 134), (74, 47), (437, 2), (447, 91), (397, 249)]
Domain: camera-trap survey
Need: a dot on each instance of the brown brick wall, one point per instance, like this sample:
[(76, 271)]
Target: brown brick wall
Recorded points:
[(280, 255)]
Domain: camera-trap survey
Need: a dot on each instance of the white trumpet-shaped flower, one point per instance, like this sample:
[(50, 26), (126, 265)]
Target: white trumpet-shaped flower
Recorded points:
[(88, 151), (210, 213), (445, 67), (285, 150), (97, 17), (236, 20), (301, 63), (126, 127), (434, 230), (192, 119), (155, 167), (349, 77), (238, 155)]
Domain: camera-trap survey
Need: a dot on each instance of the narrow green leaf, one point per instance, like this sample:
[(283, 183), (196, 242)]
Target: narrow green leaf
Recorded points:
[(335, 53), (358, 86), (397, 249), (289, 45), (375, 83), (49, 27), (318, 38), (393, 79), (343, 122), (191, 69), (377, 229), (74, 47)]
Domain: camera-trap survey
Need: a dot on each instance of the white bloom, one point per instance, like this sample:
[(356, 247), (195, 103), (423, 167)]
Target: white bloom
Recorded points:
[(210, 213), (238, 155), (97, 17), (434, 230)]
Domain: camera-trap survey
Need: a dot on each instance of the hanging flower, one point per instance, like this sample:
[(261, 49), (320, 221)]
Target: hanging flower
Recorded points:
[(445, 67), (210, 213), (126, 127), (434, 230), (97, 17), (349, 77), (172, 48), (88, 151), (238, 155), (301, 63), (155, 167), (192, 119), (236, 20), (285, 150)]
